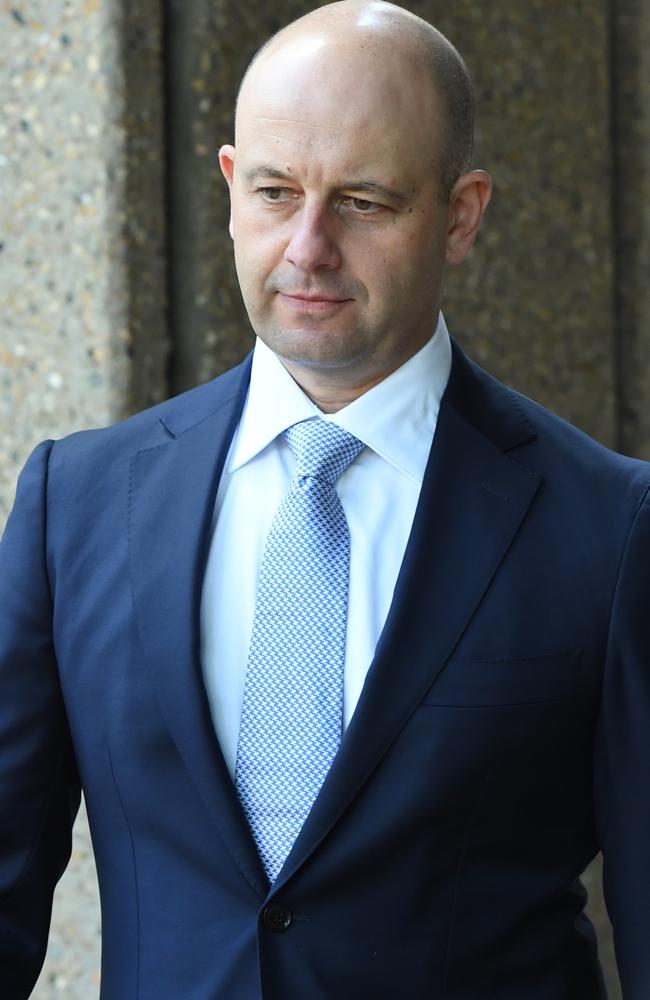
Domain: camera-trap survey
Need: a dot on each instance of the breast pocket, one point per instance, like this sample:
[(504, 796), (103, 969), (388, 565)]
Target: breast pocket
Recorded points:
[(530, 680)]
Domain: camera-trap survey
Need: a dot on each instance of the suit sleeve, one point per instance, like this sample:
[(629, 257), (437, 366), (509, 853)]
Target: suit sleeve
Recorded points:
[(39, 785), (622, 775)]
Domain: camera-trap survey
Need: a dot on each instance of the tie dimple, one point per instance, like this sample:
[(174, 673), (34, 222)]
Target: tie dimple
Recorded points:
[(322, 449)]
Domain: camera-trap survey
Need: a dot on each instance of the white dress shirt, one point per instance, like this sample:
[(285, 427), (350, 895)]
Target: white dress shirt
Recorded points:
[(396, 420)]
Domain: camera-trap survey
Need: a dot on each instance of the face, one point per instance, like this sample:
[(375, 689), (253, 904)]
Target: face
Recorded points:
[(340, 234)]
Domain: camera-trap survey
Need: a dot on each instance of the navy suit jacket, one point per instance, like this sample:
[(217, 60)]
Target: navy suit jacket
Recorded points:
[(502, 737)]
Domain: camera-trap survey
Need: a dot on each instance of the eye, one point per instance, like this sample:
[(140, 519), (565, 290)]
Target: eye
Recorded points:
[(361, 205), (274, 194)]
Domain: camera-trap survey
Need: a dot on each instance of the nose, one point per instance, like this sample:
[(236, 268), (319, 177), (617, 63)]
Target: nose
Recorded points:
[(311, 244)]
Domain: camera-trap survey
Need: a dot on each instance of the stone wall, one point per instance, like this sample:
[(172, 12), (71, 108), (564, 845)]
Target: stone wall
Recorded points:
[(117, 284), (83, 336)]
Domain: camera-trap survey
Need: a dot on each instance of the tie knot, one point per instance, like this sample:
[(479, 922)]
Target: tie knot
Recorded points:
[(322, 448)]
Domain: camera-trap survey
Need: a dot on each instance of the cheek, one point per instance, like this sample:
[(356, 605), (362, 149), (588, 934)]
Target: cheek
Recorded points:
[(408, 279), (257, 251), (423, 260), (372, 260), (396, 249), (394, 266), (257, 231)]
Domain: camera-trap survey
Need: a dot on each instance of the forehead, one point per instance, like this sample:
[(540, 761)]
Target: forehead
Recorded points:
[(356, 103)]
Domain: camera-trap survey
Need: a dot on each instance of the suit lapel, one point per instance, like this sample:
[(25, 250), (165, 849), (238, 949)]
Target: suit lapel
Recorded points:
[(172, 494), (473, 500)]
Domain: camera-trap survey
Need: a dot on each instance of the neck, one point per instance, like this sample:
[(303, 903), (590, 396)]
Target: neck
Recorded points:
[(328, 396)]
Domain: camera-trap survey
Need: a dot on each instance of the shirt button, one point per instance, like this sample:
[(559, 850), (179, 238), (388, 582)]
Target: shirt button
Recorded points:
[(276, 917)]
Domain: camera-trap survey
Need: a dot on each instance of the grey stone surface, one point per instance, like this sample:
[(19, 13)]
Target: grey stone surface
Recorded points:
[(143, 213), (81, 273), (631, 116), (592, 880)]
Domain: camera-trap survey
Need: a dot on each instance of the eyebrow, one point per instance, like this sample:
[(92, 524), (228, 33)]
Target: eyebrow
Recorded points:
[(260, 172), (373, 187), (263, 171)]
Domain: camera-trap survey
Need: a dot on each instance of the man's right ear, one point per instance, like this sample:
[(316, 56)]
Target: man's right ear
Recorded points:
[(227, 164)]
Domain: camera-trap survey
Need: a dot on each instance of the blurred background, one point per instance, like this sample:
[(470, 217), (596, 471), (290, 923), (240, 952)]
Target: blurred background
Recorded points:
[(116, 277)]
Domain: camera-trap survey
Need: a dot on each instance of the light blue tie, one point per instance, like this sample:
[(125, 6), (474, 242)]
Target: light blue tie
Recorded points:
[(292, 713)]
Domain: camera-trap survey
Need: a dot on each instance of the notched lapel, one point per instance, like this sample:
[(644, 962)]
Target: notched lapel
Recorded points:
[(473, 500), (171, 501)]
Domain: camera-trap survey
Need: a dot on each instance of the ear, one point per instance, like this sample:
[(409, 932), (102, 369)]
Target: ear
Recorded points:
[(467, 203), (227, 164)]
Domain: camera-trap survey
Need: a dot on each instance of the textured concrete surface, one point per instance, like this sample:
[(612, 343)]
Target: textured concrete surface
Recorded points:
[(143, 213), (72, 288), (592, 880), (631, 63)]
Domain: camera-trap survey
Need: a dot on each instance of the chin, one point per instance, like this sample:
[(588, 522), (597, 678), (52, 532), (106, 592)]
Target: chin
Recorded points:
[(313, 348)]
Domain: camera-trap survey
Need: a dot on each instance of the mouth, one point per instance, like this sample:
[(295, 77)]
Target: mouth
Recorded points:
[(312, 302)]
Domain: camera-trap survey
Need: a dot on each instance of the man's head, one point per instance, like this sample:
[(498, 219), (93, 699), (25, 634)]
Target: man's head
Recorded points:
[(350, 190)]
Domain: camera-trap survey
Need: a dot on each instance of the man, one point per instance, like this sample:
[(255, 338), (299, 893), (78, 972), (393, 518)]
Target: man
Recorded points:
[(349, 648)]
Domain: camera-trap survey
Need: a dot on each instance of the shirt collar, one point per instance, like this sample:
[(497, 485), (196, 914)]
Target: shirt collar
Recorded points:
[(396, 418)]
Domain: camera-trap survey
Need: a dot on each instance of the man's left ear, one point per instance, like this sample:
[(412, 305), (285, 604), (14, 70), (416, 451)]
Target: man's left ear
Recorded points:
[(467, 203)]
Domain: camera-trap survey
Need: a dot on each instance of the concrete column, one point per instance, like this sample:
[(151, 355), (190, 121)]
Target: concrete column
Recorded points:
[(82, 290)]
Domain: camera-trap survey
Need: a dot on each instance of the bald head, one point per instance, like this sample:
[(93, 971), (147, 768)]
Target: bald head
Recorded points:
[(365, 42)]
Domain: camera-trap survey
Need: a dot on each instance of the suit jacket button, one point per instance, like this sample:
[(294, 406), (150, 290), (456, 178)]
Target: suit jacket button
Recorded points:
[(276, 917)]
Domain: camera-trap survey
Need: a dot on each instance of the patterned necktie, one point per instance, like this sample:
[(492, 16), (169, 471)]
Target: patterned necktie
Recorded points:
[(292, 713)]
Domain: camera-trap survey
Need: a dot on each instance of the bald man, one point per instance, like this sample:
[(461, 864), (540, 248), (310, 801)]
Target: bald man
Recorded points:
[(348, 649)]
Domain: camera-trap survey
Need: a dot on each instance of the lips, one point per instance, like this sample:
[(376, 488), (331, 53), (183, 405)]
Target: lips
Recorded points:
[(312, 304), (298, 297)]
